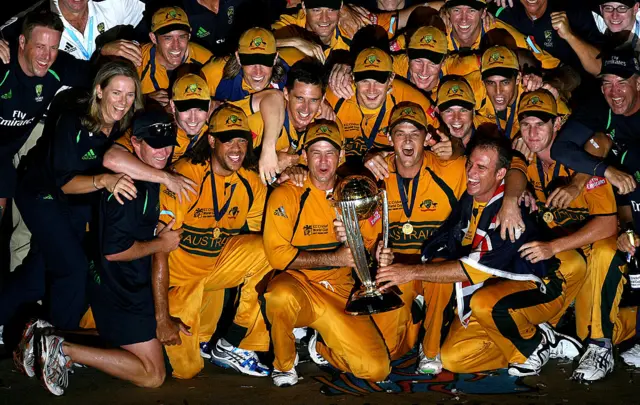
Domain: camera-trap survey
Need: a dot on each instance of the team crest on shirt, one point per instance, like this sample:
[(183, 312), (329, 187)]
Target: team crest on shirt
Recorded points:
[(39, 97), (230, 12), (101, 28), (258, 43), (428, 205), (548, 39), (233, 212)]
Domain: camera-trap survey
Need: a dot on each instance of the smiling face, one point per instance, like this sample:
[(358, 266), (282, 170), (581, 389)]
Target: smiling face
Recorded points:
[(537, 134), (390, 5), (535, 7), (424, 73), (257, 76), (483, 177), (37, 53), (621, 94), (501, 90), (459, 120), (228, 156), (465, 22), (192, 120), (171, 48), (618, 17), (322, 160), (116, 98), (75, 6), (156, 158), (371, 94), (408, 143), (303, 103), (323, 22)]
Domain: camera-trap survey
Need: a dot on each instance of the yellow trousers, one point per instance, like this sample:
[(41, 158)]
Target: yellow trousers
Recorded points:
[(199, 303), (597, 303), (351, 343)]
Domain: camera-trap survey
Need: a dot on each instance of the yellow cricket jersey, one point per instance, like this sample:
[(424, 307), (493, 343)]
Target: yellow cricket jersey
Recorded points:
[(595, 199), (440, 185), (301, 219), (240, 201), (154, 76), (359, 122), (185, 142), (522, 41)]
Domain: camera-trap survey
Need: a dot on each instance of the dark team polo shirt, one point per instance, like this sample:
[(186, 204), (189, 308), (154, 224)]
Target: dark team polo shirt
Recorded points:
[(24, 99), (71, 150), (128, 284), (580, 19)]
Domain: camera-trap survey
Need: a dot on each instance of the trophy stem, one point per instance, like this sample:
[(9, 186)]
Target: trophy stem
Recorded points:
[(356, 243)]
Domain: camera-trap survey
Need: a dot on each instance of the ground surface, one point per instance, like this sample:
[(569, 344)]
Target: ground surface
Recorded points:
[(217, 386)]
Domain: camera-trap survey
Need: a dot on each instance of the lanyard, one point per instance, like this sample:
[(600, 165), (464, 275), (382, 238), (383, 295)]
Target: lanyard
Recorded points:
[(408, 209), (90, 45), (369, 140), (541, 174), (512, 117), (293, 143), (219, 213), (453, 41)]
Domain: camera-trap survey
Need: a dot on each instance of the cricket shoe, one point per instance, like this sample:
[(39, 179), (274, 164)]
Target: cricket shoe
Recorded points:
[(561, 346), (595, 364), (55, 365), (429, 365), (225, 355), (285, 378), (534, 362), (632, 356), (313, 353), (24, 355)]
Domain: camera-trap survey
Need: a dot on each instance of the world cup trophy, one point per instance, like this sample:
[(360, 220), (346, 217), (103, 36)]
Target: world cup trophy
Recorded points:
[(357, 198)]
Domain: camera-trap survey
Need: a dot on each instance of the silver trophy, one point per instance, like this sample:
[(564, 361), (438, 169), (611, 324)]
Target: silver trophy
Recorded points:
[(357, 198)]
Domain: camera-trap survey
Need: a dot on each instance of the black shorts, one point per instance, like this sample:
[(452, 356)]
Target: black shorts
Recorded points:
[(119, 327), (8, 177)]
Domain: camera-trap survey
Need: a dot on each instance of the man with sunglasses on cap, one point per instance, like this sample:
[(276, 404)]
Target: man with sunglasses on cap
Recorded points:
[(121, 299), (219, 249), (315, 278), (169, 48), (588, 224)]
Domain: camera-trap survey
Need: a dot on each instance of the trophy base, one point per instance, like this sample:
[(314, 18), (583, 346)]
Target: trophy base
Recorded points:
[(368, 302)]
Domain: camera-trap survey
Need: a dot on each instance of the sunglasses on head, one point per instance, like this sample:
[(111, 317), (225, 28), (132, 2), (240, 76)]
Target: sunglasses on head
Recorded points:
[(160, 129)]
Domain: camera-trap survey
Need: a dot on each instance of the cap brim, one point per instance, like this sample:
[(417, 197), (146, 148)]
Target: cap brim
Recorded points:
[(544, 116), (478, 5), (227, 136), (332, 4), (613, 70), (160, 141), (500, 71), (434, 57), (418, 124), (185, 105), (172, 27), (380, 77), (247, 59), (460, 103), (322, 138)]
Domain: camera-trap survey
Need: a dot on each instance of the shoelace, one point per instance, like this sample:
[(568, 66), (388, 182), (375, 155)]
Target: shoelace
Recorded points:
[(591, 358)]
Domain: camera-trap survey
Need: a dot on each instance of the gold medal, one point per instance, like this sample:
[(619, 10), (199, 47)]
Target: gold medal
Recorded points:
[(547, 217), (407, 229), (216, 233)]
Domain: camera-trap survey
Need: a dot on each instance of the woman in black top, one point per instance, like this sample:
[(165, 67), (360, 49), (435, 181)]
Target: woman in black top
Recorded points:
[(57, 189)]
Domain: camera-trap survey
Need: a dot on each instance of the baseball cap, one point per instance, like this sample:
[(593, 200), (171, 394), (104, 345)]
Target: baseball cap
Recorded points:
[(539, 103), (408, 111), (476, 4), (455, 91), (229, 122), (155, 128), (373, 63), (191, 91), (628, 3), (428, 42), (169, 19), (324, 130), (257, 46), (622, 63), (499, 60), (332, 4)]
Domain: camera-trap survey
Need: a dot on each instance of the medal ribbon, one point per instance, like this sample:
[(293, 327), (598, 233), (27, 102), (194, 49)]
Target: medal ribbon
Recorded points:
[(541, 175), (219, 213), (369, 140), (408, 209), (88, 51), (512, 117)]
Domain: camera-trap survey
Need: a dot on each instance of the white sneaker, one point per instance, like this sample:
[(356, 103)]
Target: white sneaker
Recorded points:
[(225, 355), (534, 362), (55, 365), (23, 355), (285, 378), (632, 356), (313, 353), (299, 333), (561, 346), (205, 351), (595, 364), (429, 365)]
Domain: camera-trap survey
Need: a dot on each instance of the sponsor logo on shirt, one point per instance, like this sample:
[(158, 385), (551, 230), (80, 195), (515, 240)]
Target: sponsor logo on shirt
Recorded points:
[(18, 119), (201, 33), (596, 182), (375, 217), (89, 155), (7, 96), (279, 212), (310, 230), (203, 213), (69, 48)]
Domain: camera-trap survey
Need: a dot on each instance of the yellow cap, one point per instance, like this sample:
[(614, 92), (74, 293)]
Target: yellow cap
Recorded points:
[(169, 19), (373, 63), (191, 91), (539, 103), (408, 111), (476, 4), (324, 130), (428, 42), (455, 91), (499, 60), (229, 122), (257, 46)]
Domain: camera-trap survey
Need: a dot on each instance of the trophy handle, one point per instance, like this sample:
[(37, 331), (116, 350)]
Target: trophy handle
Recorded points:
[(385, 218), (356, 243)]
